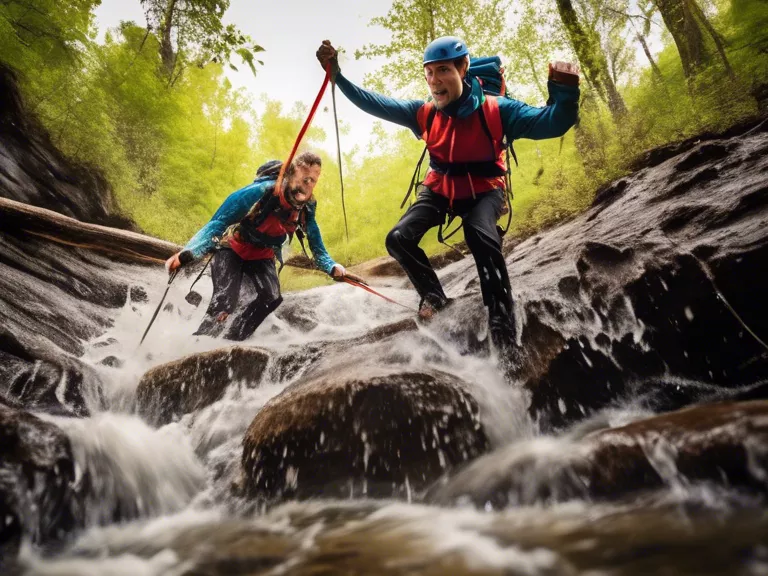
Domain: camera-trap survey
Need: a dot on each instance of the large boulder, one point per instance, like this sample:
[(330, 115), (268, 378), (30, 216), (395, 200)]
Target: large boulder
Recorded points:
[(723, 443), (662, 279), (342, 434), (167, 392), (55, 297), (37, 472)]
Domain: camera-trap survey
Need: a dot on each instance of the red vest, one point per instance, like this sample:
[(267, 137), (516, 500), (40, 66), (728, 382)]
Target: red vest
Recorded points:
[(272, 226), (456, 140), (268, 230)]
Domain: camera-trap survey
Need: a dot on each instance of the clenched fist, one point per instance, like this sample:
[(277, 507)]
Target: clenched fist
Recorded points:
[(327, 54), (564, 73)]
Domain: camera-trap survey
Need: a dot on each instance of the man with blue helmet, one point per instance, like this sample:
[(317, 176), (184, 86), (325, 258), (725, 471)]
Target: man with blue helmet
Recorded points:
[(465, 131)]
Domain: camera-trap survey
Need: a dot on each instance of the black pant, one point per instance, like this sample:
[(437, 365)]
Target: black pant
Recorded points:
[(248, 290), (479, 216)]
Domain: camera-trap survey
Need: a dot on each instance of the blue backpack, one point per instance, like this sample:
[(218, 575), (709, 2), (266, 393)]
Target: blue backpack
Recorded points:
[(489, 71)]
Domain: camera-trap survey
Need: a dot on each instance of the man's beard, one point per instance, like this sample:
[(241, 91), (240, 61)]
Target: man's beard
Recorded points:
[(290, 196)]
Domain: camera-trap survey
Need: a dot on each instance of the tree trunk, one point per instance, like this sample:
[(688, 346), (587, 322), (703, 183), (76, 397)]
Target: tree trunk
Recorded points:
[(535, 74), (681, 22), (166, 47), (656, 70), (715, 37), (592, 58), (432, 33), (124, 244)]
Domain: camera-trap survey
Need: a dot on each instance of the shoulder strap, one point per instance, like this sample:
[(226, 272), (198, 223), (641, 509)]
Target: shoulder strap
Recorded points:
[(261, 207), (426, 117), (490, 109), (493, 116), (430, 120)]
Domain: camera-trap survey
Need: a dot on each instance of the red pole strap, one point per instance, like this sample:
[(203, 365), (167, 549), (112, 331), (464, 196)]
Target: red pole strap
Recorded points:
[(372, 291), (304, 128)]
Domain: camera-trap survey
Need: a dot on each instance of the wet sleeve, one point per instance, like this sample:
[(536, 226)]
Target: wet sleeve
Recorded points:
[(402, 112), (322, 259), (551, 121), (232, 210)]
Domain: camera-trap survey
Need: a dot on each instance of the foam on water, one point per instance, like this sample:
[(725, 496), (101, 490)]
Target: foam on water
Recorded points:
[(124, 465)]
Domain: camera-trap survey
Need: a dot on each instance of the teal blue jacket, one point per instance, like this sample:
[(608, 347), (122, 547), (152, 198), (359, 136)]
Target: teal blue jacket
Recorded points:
[(519, 120)]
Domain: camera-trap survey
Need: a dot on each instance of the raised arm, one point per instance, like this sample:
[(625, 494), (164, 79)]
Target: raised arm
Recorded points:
[(402, 112), (551, 121)]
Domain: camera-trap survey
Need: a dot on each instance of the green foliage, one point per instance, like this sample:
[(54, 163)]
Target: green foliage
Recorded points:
[(415, 23), (530, 46), (192, 32), (173, 151)]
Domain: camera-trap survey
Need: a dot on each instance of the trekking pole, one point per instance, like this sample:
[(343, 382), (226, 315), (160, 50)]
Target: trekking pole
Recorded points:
[(170, 281), (338, 151), (372, 291)]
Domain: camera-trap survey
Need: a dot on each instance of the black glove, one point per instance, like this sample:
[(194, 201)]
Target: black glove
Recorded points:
[(185, 257), (327, 54)]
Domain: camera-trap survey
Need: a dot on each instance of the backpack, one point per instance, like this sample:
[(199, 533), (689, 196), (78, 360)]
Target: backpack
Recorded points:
[(490, 73)]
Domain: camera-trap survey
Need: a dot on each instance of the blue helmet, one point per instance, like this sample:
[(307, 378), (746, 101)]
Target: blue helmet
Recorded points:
[(445, 48)]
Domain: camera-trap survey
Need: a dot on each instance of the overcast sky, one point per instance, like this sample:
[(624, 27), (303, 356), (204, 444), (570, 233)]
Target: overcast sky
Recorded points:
[(291, 31)]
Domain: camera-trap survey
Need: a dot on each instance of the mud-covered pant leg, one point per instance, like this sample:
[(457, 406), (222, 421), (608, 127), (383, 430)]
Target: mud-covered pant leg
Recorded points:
[(484, 241), (226, 273), (259, 297), (403, 241)]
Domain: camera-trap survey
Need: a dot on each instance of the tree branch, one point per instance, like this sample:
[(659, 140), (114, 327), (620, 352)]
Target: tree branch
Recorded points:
[(637, 16)]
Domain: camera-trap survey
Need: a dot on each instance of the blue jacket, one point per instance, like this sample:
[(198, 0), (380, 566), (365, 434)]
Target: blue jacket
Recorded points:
[(234, 209), (519, 120)]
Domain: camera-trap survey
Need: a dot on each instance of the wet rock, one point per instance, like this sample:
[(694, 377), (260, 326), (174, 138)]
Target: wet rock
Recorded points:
[(105, 343), (609, 194), (36, 476), (63, 387), (300, 313), (167, 392), (384, 434), (53, 299), (292, 364), (704, 154), (112, 362), (33, 171), (650, 284), (724, 444), (139, 294)]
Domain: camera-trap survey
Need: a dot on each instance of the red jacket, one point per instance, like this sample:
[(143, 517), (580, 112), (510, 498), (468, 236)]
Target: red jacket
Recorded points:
[(272, 226), (453, 141)]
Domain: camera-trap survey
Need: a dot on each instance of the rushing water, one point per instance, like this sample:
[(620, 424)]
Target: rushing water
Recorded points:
[(176, 480)]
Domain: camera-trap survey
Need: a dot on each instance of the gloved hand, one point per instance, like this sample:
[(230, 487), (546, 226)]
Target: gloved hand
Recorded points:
[(179, 259), (339, 273), (327, 53), (564, 72)]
